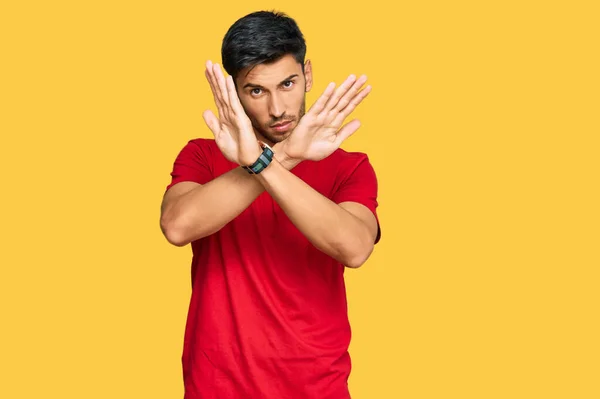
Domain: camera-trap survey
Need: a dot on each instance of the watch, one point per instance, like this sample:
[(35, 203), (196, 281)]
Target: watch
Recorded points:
[(263, 160)]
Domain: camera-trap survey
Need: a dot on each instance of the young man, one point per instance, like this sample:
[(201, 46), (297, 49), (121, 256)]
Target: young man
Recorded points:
[(275, 211)]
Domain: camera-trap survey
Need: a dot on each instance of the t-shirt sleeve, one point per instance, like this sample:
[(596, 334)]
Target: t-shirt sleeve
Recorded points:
[(192, 164), (360, 186)]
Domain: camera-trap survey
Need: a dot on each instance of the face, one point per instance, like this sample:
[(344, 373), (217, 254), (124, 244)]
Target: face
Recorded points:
[(274, 96)]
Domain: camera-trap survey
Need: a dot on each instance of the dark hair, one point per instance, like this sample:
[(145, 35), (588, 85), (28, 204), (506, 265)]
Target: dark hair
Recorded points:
[(261, 37)]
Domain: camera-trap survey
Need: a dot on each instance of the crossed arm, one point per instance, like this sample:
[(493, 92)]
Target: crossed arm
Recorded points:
[(344, 231)]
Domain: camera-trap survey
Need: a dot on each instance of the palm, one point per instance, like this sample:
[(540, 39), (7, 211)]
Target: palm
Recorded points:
[(320, 132), (323, 141), (226, 143), (232, 129)]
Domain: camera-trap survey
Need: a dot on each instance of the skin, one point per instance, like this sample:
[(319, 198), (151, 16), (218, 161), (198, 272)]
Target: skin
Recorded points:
[(267, 99), (247, 108)]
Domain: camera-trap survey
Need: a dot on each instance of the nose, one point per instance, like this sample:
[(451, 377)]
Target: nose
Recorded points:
[(276, 106)]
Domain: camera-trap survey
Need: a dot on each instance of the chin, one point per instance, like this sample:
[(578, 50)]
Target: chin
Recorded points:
[(275, 137), (278, 138), (283, 136)]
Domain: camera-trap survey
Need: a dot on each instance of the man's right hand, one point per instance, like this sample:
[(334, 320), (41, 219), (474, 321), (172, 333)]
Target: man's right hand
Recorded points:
[(233, 130)]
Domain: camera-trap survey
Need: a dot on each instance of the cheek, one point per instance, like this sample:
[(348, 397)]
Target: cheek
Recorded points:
[(299, 103), (253, 109)]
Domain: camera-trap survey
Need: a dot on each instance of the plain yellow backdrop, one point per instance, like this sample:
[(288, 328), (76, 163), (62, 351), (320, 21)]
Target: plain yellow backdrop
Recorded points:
[(483, 129)]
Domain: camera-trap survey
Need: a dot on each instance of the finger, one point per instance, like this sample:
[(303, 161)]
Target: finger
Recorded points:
[(212, 122), (221, 85), (213, 88), (212, 81), (340, 91), (318, 106), (352, 105), (346, 131), (350, 94), (236, 105)]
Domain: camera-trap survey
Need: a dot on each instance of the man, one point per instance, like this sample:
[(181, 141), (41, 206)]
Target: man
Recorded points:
[(275, 211)]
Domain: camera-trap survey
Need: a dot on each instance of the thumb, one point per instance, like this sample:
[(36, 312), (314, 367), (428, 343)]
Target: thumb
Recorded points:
[(212, 122), (346, 131)]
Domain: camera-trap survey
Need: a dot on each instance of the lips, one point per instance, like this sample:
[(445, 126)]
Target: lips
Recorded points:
[(281, 124), (282, 127)]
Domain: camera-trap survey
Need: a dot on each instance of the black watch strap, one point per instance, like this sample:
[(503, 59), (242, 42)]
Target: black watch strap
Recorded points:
[(262, 162)]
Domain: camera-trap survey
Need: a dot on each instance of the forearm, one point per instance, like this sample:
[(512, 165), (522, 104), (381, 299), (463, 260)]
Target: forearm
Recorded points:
[(327, 225), (205, 209)]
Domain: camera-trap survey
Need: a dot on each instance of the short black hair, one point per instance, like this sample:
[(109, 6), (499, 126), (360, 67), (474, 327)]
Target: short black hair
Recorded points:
[(261, 37)]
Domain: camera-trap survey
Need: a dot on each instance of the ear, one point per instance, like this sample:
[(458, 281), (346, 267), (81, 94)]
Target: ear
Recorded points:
[(308, 75)]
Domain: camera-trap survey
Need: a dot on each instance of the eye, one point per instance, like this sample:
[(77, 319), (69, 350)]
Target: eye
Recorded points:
[(256, 91), (287, 84)]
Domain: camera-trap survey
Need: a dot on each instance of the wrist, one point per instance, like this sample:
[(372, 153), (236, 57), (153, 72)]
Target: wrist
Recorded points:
[(250, 156), (283, 158), (262, 162)]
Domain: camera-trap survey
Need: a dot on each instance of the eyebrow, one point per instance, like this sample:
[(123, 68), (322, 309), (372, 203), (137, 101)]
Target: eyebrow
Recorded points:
[(255, 86)]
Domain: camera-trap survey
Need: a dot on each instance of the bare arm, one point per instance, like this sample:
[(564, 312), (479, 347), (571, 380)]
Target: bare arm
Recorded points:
[(190, 211), (345, 231)]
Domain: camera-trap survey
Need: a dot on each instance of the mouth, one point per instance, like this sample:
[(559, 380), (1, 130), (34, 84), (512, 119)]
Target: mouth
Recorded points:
[(282, 127)]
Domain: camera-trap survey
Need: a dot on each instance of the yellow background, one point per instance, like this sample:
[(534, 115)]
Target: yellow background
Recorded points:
[(482, 126)]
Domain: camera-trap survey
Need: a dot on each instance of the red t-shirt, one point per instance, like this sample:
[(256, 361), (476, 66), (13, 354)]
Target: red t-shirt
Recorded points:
[(268, 315)]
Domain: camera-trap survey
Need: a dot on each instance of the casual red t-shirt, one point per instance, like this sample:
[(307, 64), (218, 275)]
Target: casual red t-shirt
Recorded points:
[(268, 315)]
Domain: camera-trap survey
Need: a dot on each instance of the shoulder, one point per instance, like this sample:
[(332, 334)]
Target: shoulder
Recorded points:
[(203, 143), (342, 155), (338, 168), (347, 161), (200, 148)]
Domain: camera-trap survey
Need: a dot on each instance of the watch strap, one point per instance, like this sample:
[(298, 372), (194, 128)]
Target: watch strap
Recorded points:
[(262, 162)]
